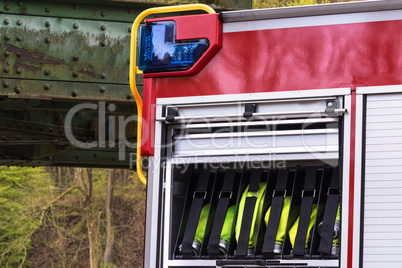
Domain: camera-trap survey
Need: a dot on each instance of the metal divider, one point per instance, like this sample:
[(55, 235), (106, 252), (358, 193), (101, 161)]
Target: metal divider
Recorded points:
[(188, 219), (267, 203), (220, 195), (296, 190), (296, 205), (244, 181), (322, 199)]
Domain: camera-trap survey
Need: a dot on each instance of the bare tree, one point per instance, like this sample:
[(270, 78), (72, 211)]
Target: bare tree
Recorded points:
[(107, 257), (85, 182)]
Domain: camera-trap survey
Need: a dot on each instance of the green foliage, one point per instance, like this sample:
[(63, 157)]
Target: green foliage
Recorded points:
[(286, 3), (282, 3), (23, 191)]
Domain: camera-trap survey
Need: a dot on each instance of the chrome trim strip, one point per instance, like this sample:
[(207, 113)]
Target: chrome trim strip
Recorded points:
[(248, 151), (258, 123), (301, 132), (312, 113), (250, 97)]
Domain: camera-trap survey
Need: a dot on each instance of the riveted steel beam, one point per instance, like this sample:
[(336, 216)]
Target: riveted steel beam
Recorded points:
[(101, 10), (41, 129), (66, 50), (60, 105), (87, 158), (43, 89), (8, 138), (106, 10)]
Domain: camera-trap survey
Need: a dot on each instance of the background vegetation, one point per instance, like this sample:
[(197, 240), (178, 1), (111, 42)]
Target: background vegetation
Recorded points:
[(50, 218)]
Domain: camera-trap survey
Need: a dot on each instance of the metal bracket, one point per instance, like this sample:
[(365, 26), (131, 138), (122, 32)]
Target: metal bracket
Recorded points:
[(249, 109), (279, 190), (171, 113), (309, 193), (200, 194), (333, 191), (330, 107), (225, 194)]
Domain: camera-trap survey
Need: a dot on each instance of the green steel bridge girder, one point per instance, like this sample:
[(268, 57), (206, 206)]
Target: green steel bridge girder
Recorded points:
[(57, 54), (54, 56)]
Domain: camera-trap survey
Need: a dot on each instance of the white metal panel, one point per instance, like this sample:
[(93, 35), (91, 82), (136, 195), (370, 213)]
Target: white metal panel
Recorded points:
[(270, 24), (382, 241), (269, 144), (251, 97)]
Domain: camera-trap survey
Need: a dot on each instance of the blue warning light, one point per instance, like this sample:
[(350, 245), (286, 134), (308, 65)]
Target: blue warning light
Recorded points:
[(159, 51)]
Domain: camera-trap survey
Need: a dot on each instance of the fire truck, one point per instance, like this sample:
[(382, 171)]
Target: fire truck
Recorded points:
[(273, 136)]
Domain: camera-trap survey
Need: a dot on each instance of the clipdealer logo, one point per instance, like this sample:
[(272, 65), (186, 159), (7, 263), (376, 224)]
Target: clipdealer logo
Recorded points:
[(111, 133), (111, 130)]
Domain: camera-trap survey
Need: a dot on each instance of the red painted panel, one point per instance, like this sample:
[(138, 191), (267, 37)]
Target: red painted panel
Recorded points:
[(351, 178), (361, 54), (195, 27), (148, 118)]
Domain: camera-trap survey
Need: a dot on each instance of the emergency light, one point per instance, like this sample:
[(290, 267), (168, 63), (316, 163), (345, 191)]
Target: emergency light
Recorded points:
[(159, 51)]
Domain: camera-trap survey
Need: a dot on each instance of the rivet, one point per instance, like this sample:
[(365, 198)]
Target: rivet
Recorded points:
[(129, 29), (75, 58), (102, 89), (75, 6), (18, 71), (75, 74), (6, 69), (7, 37), (19, 22), (103, 27), (18, 54), (75, 26), (6, 21), (19, 3), (7, 7), (129, 96), (47, 72), (19, 38), (6, 84), (6, 54), (103, 75), (47, 9), (47, 40), (103, 43), (74, 93), (50, 130), (130, 11), (46, 86), (103, 13), (18, 91), (47, 23)]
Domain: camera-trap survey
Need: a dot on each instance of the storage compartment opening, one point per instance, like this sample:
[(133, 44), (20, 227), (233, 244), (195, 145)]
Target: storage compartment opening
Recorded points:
[(255, 212)]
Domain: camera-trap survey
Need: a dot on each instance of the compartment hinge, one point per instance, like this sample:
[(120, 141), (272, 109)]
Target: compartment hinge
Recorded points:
[(331, 106)]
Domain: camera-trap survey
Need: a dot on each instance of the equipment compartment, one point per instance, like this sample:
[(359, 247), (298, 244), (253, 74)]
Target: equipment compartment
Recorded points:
[(202, 227)]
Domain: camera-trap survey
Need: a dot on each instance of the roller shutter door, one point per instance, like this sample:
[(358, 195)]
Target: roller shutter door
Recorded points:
[(382, 233)]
